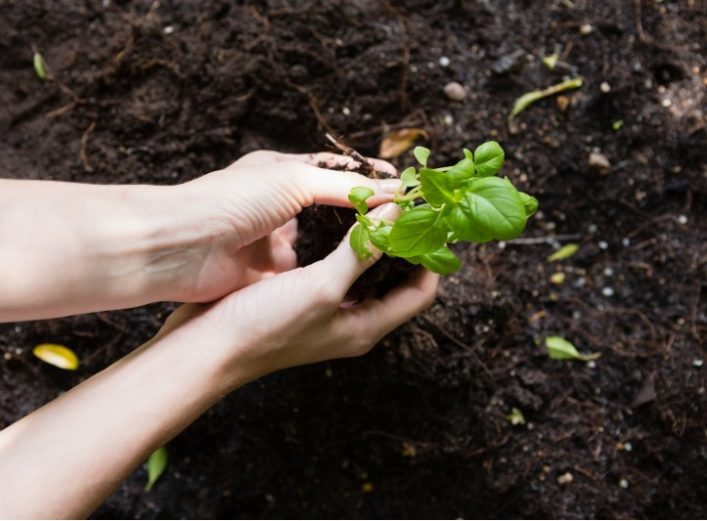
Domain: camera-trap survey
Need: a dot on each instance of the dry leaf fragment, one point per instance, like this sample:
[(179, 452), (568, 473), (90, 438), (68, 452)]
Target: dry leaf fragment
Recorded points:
[(399, 141)]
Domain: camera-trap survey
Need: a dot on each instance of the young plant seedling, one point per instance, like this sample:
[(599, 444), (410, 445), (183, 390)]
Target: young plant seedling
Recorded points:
[(442, 206)]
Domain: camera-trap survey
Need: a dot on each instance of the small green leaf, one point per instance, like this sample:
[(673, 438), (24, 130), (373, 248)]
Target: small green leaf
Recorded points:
[(409, 177), (421, 154), (488, 158), (380, 238), (417, 232), (530, 203), (358, 196), (156, 464), (551, 61), (516, 417), (462, 223), (616, 125), (359, 242), (560, 349), (40, 66), (438, 188), (463, 170), (442, 261), (563, 253)]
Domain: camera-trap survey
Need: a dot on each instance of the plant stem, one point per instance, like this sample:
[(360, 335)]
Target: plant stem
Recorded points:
[(410, 196)]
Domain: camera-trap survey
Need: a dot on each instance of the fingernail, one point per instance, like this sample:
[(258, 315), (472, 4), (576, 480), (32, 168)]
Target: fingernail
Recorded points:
[(389, 186), (386, 211)]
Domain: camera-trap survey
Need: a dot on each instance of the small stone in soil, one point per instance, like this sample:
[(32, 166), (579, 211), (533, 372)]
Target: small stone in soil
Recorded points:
[(565, 479), (605, 87), (444, 61), (607, 291), (603, 245), (682, 219), (455, 91), (623, 483), (697, 362), (599, 162)]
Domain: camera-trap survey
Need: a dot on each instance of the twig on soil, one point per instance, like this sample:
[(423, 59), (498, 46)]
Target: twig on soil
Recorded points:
[(467, 348), (367, 166), (546, 240), (83, 155)]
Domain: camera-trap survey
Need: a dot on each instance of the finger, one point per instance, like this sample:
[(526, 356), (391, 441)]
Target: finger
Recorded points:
[(288, 231), (332, 187), (380, 316), (342, 266), (329, 160)]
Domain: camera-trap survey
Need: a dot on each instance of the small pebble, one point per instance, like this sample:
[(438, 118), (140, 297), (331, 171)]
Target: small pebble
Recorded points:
[(346, 111), (697, 362), (7, 356), (605, 87), (565, 479), (603, 245), (607, 291), (608, 271), (666, 102), (580, 282), (592, 228), (168, 30), (682, 219), (592, 364), (444, 61), (586, 29), (599, 162), (623, 483), (626, 242), (448, 120), (628, 447), (455, 91), (501, 245)]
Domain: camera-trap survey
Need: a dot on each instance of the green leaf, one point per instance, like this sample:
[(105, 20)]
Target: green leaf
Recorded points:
[(438, 188), (563, 253), (358, 196), (442, 261), (560, 349), (40, 66), (530, 203), (421, 154), (359, 242), (463, 170), (417, 232), (409, 177), (488, 158), (156, 464), (492, 208), (380, 238)]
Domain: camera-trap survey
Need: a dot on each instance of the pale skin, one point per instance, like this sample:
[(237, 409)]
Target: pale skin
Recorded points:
[(222, 243)]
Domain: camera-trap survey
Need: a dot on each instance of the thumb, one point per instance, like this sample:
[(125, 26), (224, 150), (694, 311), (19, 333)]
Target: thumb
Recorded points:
[(343, 265)]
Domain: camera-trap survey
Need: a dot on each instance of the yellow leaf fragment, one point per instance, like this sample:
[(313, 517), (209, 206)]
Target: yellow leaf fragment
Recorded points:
[(399, 141), (529, 98), (557, 278), (563, 253), (57, 355), (516, 417)]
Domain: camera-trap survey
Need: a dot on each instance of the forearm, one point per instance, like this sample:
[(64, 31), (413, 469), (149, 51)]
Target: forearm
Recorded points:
[(68, 248), (77, 449)]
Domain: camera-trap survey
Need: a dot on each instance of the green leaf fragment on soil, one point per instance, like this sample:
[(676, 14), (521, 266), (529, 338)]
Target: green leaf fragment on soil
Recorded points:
[(156, 464), (516, 417), (529, 98), (563, 253), (560, 349), (409, 177), (40, 66)]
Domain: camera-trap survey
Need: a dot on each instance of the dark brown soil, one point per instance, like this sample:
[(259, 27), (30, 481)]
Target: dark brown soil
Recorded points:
[(418, 428)]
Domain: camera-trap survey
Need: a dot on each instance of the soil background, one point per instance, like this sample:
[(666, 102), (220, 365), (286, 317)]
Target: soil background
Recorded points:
[(162, 92)]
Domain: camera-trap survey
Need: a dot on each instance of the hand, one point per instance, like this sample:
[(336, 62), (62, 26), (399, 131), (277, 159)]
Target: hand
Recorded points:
[(299, 317), (247, 212)]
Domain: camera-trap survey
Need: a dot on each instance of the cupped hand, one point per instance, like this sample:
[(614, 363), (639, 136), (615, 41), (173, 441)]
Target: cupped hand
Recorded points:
[(247, 212), (300, 317)]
